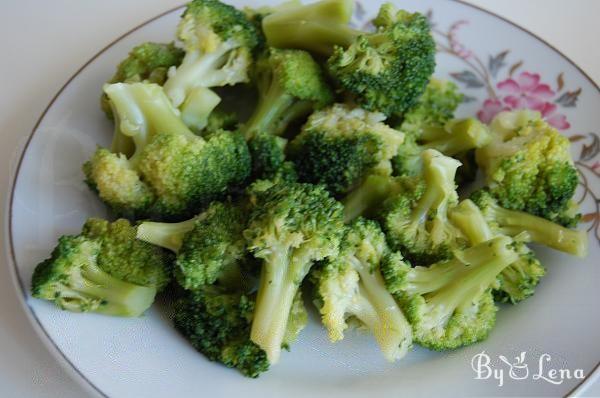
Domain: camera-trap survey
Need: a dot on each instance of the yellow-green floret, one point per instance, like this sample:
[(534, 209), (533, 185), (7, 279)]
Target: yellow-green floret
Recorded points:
[(450, 303), (292, 226), (104, 270), (340, 145), (528, 167), (351, 287), (290, 85)]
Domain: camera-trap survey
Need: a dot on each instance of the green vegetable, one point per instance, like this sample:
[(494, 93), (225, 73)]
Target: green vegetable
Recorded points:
[(351, 286), (290, 85), (528, 167), (340, 145), (218, 41), (384, 71), (449, 304), (103, 270), (292, 226), (172, 171)]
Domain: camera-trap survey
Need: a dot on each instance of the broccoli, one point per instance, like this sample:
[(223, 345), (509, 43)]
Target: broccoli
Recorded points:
[(290, 85), (291, 226), (220, 120), (518, 280), (218, 40), (209, 247), (146, 62), (455, 138), (450, 303), (384, 71), (351, 286), (528, 167), (198, 108), (434, 108), (172, 171), (104, 269), (365, 200), (415, 219), (340, 145), (538, 229), (268, 154), (217, 323)]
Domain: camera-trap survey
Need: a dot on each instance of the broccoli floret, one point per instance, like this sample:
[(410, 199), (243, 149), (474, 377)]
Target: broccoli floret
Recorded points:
[(126, 258), (172, 172), (146, 62), (517, 281), (415, 219), (218, 41), (217, 323), (351, 286), (456, 138), (340, 145), (209, 247), (434, 108), (528, 167), (103, 270), (291, 226), (450, 303), (538, 229), (384, 71), (268, 154), (290, 85), (197, 108)]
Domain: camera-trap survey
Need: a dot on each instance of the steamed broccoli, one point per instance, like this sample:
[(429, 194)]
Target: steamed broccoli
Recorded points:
[(172, 171), (351, 286), (415, 219), (218, 41), (455, 138), (517, 281), (340, 145), (104, 270), (538, 229), (384, 71), (290, 85), (209, 247), (433, 109), (217, 323), (528, 167), (291, 226), (147, 62), (450, 303)]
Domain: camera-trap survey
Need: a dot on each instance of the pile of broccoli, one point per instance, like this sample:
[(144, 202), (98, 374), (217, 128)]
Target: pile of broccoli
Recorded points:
[(341, 188)]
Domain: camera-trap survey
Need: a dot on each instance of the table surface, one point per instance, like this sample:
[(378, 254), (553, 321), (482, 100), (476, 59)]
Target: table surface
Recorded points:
[(43, 63)]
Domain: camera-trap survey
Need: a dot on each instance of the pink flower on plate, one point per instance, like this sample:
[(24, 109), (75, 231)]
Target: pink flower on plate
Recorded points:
[(557, 120), (491, 107), (455, 44), (526, 91)]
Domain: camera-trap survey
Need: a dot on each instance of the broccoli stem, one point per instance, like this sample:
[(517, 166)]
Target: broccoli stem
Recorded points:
[(438, 172), (279, 281), (377, 309), (118, 298), (475, 271), (365, 198), (268, 112), (462, 136), (167, 235), (315, 27), (198, 106), (197, 68), (141, 111), (469, 219), (540, 230)]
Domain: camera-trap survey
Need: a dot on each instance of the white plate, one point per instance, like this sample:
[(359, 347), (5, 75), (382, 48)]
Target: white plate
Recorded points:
[(146, 357)]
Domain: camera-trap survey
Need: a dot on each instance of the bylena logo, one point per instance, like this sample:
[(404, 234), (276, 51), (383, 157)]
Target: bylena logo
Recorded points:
[(519, 369)]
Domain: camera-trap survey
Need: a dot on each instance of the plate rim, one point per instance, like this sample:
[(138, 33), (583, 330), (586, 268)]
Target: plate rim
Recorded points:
[(10, 256)]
